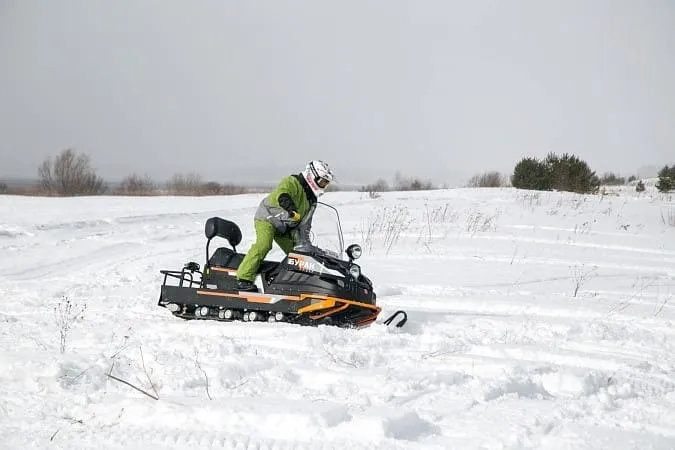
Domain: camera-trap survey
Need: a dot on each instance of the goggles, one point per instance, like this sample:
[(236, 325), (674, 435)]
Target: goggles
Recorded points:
[(322, 182)]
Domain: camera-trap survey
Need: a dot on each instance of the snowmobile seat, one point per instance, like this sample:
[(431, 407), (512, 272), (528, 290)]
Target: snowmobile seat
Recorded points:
[(225, 257)]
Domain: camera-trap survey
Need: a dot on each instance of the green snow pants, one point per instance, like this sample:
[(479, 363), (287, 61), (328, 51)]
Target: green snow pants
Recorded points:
[(264, 235)]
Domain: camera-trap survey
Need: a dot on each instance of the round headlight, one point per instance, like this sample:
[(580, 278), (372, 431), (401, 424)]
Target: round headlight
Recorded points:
[(355, 271), (354, 251)]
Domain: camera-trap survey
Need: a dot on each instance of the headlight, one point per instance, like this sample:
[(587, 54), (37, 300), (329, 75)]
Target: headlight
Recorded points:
[(355, 271), (354, 251)]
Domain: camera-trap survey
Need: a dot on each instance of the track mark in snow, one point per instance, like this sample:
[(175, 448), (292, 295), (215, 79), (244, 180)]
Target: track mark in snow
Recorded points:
[(173, 437)]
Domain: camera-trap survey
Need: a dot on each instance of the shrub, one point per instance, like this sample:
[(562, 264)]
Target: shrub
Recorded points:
[(402, 183), (610, 179), (231, 189), (562, 173), (666, 181), (374, 189), (531, 173), (640, 186), (210, 188), (70, 174), (136, 185), (487, 180), (189, 184), (569, 173), (632, 178), (3, 188)]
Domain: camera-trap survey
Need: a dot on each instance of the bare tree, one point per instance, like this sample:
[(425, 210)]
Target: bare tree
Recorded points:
[(135, 184), (70, 174), (189, 184), (374, 189), (487, 180)]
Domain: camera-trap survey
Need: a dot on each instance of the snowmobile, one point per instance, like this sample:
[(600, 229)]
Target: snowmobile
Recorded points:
[(312, 285)]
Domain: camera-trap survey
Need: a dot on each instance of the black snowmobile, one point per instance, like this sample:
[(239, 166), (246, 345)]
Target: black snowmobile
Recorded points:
[(312, 285)]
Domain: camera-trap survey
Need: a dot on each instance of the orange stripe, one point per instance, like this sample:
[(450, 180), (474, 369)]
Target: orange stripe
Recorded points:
[(370, 319), (330, 312), (327, 303), (222, 269), (334, 299)]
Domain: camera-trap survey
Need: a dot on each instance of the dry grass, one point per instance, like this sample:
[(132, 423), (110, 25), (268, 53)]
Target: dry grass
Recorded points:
[(668, 217), (488, 180)]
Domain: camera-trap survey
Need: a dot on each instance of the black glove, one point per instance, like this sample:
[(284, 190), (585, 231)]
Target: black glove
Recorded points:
[(286, 202)]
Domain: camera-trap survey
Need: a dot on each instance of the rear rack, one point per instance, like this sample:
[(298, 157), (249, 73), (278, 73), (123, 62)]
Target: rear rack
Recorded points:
[(185, 275)]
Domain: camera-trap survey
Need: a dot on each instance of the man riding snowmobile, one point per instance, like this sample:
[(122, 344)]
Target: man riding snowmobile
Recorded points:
[(278, 216)]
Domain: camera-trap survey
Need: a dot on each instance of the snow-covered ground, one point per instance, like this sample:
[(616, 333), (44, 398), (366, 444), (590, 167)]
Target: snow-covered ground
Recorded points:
[(536, 320)]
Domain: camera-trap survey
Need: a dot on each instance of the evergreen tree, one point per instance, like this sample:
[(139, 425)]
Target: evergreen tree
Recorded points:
[(531, 173), (569, 173), (666, 181)]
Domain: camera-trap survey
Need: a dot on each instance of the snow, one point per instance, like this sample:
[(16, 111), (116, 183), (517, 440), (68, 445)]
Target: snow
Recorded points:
[(536, 320)]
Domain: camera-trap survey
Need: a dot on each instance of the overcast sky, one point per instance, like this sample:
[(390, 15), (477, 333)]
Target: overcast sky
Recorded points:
[(250, 90)]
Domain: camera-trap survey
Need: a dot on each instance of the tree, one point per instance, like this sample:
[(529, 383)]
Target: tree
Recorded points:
[(569, 173), (562, 173), (666, 181), (70, 174), (531, 173)]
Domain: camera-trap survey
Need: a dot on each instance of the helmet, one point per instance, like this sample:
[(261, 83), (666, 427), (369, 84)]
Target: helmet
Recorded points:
[(318, 175)]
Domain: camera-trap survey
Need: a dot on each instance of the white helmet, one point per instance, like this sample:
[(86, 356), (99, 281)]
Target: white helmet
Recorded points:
[(318, 175)]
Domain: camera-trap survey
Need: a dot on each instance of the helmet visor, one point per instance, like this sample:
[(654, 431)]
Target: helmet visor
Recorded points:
[(322, 182)]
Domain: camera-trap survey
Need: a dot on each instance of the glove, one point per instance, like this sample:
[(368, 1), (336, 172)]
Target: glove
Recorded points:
[(295, 217)]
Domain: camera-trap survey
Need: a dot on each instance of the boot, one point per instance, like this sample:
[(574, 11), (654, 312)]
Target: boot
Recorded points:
[(245, 285)]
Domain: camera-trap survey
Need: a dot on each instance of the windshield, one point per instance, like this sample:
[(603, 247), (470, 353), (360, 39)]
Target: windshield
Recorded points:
[(326, 231)]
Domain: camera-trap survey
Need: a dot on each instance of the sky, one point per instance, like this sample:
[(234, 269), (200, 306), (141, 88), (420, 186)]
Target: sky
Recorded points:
[(250, 91)]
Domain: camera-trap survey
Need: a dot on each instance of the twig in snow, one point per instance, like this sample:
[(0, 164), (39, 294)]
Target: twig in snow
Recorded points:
[(125, 344), (662, 305), (114, 422), (110, 375), (338, 360), (627, 302), (206, 377), (238, 385), (66, 313), (579, 277), (152, 385)]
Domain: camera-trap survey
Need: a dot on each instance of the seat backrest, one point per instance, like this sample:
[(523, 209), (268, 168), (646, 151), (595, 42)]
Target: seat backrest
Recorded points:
[(226, 229)]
